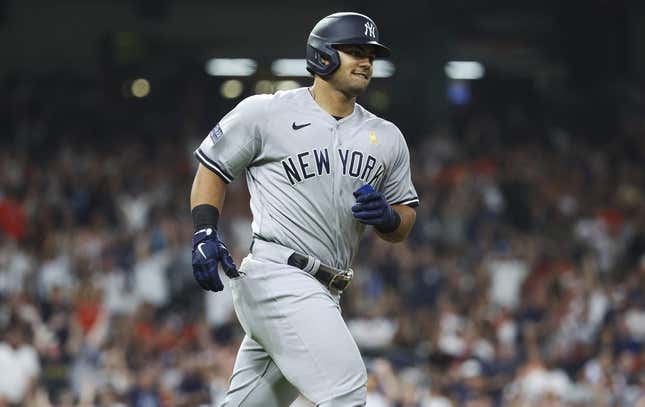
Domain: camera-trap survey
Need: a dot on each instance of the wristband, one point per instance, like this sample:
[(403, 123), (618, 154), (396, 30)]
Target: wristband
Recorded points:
[(205, 215)]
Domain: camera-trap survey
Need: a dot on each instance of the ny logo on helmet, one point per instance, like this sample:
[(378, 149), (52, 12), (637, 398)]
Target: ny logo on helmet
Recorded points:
[(370, 28)]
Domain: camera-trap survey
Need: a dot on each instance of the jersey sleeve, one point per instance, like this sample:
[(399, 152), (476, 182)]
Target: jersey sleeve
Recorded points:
[(233, 144), (397, 186)]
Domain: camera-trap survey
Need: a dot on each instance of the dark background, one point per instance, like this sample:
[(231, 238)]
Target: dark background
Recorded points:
[(573, 57)]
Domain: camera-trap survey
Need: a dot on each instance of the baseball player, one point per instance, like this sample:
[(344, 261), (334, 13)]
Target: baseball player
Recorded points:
[(320, 168)]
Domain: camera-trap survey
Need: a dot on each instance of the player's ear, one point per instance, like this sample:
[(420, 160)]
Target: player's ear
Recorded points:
[(324, 60)]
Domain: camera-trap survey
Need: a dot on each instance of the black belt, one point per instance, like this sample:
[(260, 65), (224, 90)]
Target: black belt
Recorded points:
[(330, 277), (327, 275)]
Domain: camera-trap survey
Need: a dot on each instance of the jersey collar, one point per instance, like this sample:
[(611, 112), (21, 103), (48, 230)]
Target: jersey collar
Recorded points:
[(309, 101)]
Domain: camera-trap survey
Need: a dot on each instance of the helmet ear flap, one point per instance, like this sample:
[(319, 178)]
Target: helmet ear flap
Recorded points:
[(322, 60)]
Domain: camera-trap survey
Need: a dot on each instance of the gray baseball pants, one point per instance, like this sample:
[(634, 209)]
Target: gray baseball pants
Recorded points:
[(296, 339)]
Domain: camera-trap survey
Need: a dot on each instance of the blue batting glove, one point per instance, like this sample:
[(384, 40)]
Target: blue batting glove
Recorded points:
[(372, 209), (208, 252)]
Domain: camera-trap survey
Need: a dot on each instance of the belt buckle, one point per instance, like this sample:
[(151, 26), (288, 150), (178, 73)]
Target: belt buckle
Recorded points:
[(344, 276)]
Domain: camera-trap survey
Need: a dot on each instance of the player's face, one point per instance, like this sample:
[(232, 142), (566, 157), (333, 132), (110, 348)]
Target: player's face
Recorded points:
[(355, 71)]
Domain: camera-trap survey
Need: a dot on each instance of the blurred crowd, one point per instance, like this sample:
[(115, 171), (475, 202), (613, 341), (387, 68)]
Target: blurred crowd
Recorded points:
[(522, 285)]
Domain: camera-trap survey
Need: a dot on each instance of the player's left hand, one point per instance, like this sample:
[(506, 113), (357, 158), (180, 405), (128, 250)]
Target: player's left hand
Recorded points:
[(372, 209), (208, 252)]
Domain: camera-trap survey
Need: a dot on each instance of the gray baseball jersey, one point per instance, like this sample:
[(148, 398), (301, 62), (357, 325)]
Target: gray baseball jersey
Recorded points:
[(302, 166)]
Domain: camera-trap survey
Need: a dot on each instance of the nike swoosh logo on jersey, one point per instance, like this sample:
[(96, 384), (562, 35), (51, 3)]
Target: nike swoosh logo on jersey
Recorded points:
[(299, 126)]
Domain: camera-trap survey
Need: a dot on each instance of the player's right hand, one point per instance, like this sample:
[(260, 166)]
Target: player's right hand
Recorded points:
[(208, 252)]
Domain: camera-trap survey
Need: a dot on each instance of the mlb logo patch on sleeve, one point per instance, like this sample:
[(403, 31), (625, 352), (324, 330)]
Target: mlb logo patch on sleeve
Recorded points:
[(216, 133)]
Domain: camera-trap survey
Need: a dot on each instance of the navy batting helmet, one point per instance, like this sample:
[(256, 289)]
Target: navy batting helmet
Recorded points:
[(339, 29)]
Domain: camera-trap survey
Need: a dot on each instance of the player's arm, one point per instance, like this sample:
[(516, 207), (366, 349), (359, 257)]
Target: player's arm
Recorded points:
[(208, 189), (408, 216), (230, 147), (206, 199)]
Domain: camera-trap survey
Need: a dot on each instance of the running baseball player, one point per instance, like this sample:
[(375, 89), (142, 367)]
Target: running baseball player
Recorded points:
[(319, 168)]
